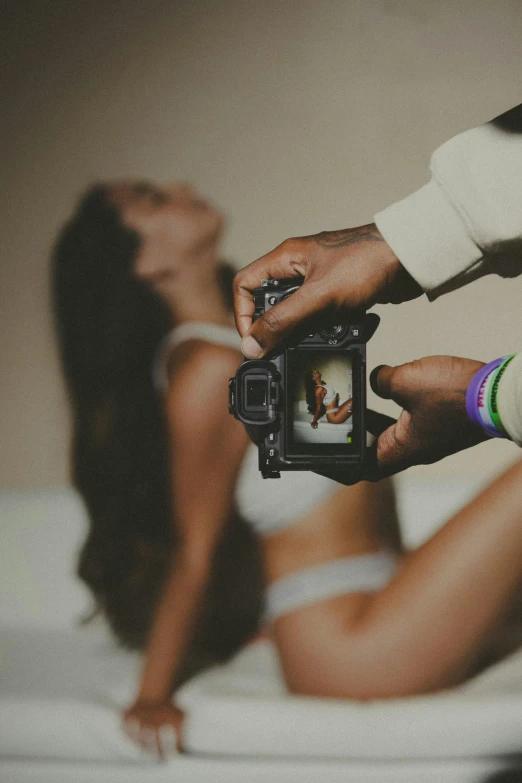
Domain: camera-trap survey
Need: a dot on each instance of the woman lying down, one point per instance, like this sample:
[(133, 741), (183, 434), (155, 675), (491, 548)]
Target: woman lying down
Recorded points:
[(148, 345)]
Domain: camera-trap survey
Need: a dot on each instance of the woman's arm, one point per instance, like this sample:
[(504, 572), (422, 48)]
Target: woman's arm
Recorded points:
[(424, 631), (207, 446)]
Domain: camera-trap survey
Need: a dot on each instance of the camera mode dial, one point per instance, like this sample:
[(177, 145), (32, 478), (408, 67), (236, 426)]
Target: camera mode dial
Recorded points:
[(333, 333)]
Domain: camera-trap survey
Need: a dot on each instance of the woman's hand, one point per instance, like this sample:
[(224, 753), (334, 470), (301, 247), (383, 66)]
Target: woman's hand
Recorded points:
[(314, 425), (156, 726)]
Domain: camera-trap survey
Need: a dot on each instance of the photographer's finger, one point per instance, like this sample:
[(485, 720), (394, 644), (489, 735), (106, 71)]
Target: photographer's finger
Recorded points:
[(274, 265), (393, 383), (377, 422), (244, 308), (278, 323), (393, 454), (380, 380)]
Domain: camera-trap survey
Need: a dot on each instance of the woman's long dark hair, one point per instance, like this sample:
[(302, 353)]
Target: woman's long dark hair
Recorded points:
[(311, 400), (109, 326)]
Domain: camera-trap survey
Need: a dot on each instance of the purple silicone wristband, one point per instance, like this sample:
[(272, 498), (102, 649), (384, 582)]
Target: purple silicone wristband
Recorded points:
[(472, 395)]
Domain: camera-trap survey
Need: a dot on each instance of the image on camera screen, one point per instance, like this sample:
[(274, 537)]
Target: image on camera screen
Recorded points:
[(320, 389)]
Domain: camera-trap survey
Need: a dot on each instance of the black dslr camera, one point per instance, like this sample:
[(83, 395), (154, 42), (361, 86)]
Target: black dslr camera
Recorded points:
[(306, 407)]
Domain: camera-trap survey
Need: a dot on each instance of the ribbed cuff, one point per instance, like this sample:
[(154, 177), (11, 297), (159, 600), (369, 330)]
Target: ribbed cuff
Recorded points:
[(428, 237)]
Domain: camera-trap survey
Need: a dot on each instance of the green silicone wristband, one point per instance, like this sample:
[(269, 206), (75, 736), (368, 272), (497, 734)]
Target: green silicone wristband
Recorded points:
[(493, 395)]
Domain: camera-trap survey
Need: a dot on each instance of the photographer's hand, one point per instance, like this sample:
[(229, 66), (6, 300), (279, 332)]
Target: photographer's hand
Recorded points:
[(348, 269), (433, 422)]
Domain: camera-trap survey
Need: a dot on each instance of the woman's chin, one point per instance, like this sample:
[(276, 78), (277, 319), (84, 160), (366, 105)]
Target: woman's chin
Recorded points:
[(162, 284)]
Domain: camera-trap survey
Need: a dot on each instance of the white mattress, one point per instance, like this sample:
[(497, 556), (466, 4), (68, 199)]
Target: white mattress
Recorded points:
[(325, 432), (206, 769), (61, 694), (62, 689), (244, 711)]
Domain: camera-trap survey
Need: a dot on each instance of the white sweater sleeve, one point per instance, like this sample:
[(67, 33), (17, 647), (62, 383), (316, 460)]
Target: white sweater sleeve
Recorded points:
[(467, 221)]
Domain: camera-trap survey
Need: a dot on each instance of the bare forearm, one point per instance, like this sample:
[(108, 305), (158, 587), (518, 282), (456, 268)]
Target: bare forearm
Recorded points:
[(173, 628)]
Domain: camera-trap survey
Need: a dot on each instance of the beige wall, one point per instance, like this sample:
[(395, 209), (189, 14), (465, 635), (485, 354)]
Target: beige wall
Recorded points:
[(293, 116)]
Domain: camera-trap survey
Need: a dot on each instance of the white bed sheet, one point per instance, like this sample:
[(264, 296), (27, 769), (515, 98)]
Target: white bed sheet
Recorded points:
[(61, 694), (243, 710), (187, 769), (62, 689)]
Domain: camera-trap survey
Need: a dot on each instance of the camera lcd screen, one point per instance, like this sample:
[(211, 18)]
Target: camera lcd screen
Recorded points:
[(322, 401)]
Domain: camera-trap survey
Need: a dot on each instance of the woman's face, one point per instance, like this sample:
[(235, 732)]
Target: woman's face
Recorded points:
[(175, 224), (316, 376)]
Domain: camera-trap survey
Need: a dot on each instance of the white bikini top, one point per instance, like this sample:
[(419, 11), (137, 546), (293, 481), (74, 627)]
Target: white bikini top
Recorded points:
[(330, 394), (211, 333), (269, 505)]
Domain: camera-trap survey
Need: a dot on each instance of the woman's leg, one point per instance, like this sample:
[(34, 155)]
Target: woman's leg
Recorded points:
[(342, 413), (425, 630)]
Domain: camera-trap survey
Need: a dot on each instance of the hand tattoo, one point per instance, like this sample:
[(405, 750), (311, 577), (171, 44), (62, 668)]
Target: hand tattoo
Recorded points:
[(349, 236)]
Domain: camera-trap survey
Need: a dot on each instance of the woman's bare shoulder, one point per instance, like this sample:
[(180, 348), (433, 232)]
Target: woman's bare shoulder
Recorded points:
[(196, 357), (197, 395)]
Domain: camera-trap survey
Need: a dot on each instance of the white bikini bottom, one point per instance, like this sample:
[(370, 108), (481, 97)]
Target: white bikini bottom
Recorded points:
[(357, 574)]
